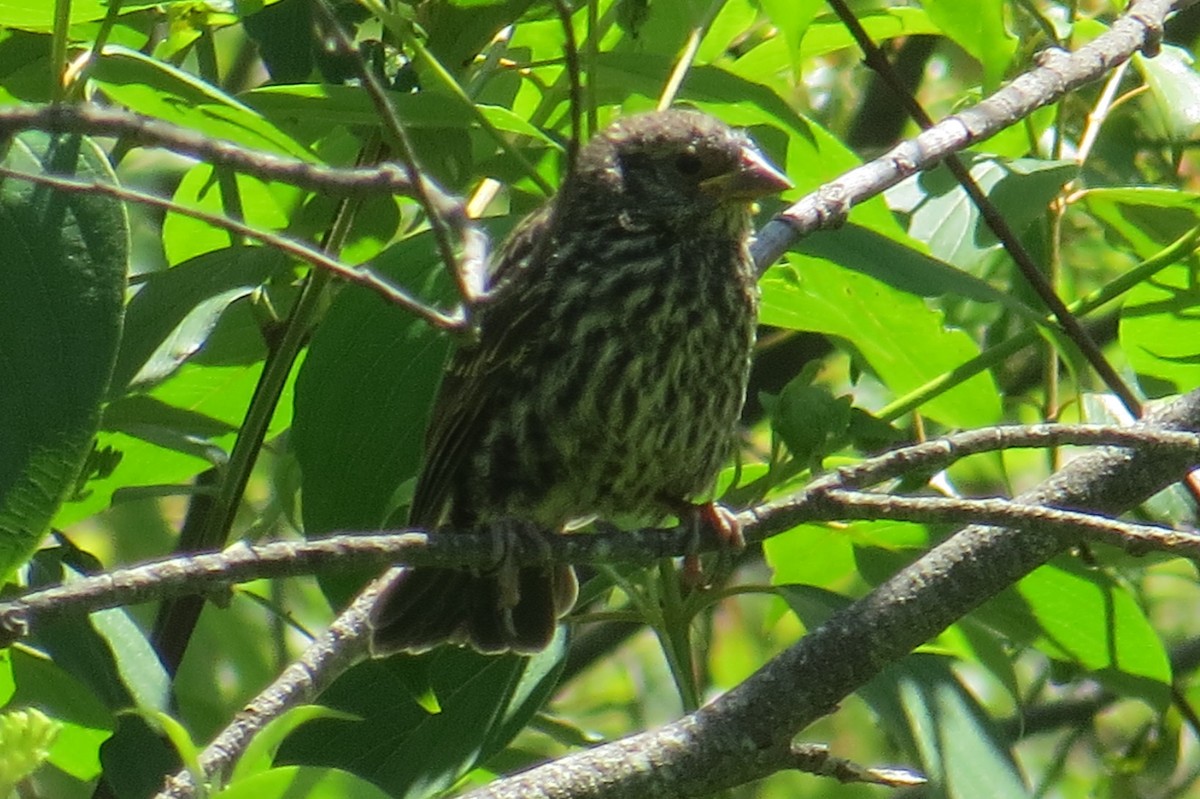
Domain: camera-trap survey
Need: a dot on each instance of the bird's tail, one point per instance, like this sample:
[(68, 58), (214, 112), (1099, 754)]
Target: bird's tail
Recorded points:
[(508, 610)]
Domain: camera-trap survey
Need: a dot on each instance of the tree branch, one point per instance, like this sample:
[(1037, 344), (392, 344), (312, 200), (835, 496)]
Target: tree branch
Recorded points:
[(746, 734), (1140, 28), (824, 499), (92, 120)]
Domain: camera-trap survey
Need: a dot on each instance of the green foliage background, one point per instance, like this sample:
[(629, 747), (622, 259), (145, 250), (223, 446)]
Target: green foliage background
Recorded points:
[(115, 416)]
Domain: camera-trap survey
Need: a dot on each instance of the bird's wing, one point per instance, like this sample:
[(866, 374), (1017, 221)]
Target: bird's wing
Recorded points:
[(476, 373)]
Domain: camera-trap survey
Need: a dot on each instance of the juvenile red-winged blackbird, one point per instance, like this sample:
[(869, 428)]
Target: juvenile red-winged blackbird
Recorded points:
[(608, 376)]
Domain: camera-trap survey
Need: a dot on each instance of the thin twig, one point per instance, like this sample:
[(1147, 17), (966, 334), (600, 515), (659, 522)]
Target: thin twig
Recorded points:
[(825, 499), (995, 221), (441, 209), (941, 452), (359, 275), (575, 99), (146, 131)]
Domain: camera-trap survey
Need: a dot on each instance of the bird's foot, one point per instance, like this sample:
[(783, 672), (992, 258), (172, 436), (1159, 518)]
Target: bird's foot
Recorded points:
[(718, 519)]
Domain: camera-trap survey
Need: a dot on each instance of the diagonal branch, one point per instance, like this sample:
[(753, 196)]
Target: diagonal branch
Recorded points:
[(746, 734), (1058, 74), (995, 221)]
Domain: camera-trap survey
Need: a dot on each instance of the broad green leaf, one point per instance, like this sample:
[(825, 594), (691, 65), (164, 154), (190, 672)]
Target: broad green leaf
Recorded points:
[(137, 758), (904, 341), (793, 20), (260, 752), (811, 554), (24, 67), (827, 34), (412, 753), (157, 89), (942, 215), (923, 703), (904, 265), (1160, 331), (301, 782), (346, 105), (86, 722), (265, 206), (364, 393), (63, 268), (1148, 218), (1083, 616), (38, 15), (174, 311), (104, 650), (1174, 90), (979, 29), (728, 27), (187, 425)]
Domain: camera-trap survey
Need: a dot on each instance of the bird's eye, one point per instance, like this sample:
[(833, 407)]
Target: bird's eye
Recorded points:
[(689, 164)]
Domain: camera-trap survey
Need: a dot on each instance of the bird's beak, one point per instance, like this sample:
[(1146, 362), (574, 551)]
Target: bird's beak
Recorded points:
[(753, 177)]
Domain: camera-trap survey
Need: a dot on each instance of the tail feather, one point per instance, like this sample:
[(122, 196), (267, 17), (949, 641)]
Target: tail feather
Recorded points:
[(492, 613)]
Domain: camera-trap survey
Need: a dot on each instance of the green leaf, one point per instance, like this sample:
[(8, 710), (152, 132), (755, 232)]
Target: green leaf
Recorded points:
[(904, 265), (923, 704), (260, 752), (301, 782), (63, 267), (1160, 329), (484, 700), (827, 34), (186, 425), (1147, 218), (175, 310), (157, 89), (811, 554), (808, 418), (1083, 616), (38, 15), (979, 29), (942, 214), (364, 393), (348, 105), (24, 63), (1174, 90), (137, 758), (265, 206), (104, 650), (792, 19), (905, 342), (86, 723)]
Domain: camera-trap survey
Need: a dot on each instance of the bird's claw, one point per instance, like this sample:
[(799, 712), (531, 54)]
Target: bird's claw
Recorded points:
[(720, 520)]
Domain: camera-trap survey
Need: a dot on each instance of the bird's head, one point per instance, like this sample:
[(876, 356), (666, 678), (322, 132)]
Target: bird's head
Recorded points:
[(679, 168)]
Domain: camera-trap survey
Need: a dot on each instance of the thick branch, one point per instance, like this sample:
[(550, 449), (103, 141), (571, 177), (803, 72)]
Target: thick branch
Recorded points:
[(746, 734)]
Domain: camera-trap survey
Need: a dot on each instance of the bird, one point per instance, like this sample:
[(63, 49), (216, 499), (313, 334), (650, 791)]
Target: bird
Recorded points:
[(606, 379)]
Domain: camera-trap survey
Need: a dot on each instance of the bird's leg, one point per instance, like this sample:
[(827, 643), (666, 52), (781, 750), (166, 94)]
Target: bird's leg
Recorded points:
[(714, 517)]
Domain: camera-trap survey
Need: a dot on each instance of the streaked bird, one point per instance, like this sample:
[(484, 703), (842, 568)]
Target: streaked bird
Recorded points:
[(608, 376)]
